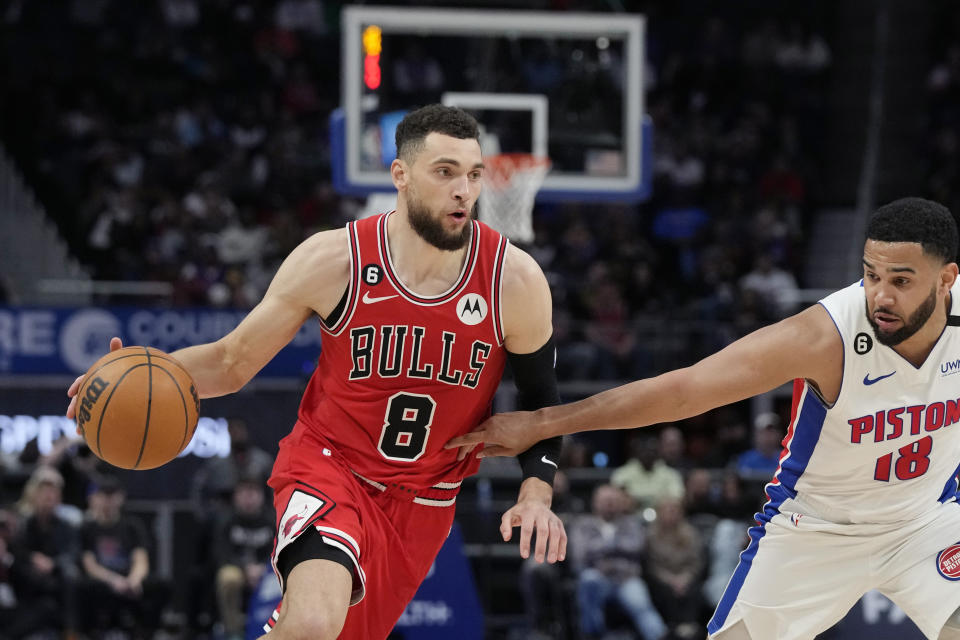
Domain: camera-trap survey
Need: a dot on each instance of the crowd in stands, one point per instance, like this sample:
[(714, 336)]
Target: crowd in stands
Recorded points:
[(186, 141), (651, 552), (651, 547), (942, 148)]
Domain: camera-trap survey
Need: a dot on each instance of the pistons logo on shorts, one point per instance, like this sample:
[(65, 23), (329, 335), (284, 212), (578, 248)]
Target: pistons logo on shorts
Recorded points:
[(948, 562)]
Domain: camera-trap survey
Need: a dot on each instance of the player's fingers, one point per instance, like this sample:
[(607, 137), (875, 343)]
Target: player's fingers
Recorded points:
[(491, 451), (556, 535), (562, 554), (75, 387), (526, 533), (72, 410), (506, 525), (543, 537), (115, 343), (468, 439), (462, 453)]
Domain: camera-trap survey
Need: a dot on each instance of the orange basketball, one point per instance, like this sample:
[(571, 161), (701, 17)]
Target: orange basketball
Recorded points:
[(137, 408)]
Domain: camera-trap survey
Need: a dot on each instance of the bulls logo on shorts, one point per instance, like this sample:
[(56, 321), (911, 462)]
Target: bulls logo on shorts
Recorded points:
[(302, 509), (948, 562)]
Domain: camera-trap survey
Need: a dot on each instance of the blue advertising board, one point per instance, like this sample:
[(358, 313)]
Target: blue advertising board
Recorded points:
[(61, 341)]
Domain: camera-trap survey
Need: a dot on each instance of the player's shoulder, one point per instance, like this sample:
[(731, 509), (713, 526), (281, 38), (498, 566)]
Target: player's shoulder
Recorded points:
[(520, 270), (324, 248)]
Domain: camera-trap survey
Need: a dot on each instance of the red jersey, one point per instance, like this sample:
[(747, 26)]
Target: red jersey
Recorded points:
[(400, 374)]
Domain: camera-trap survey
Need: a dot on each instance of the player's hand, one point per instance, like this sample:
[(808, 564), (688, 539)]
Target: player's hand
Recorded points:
[(504, 434), (115, 343), (533, 515)]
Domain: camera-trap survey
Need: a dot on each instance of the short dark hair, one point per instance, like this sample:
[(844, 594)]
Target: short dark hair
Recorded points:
[(928, 223), (433, 118)]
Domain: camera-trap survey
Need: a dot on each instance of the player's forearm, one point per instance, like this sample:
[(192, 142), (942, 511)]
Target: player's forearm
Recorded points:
[(637, 404), (212, 369)]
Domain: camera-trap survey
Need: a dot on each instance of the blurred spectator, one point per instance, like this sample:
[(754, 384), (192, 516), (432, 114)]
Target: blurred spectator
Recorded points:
[(608, 328), (118, 591), (700, 493), (542, 583), (47, 548), (646, 477), (19, 618), (776, 287), (761, 461), (605, 551), (673, 448), (215, 481), (675, 557), (79, 467), (242, 545)]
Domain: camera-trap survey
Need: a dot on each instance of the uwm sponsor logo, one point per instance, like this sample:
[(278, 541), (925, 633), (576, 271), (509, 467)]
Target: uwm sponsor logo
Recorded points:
[(890, 424), (949, 368)]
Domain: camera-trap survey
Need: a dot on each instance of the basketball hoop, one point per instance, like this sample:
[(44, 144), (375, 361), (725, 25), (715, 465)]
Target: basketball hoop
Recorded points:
[(511, 182)]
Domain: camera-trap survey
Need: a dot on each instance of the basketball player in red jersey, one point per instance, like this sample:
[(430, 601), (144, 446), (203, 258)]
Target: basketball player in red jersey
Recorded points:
[(420, 309)]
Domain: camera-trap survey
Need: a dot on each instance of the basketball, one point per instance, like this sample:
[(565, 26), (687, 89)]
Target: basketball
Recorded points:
[(137, 408)]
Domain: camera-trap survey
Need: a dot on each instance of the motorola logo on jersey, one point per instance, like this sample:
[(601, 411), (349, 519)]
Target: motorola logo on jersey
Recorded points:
[(471, 309), (948, 562)]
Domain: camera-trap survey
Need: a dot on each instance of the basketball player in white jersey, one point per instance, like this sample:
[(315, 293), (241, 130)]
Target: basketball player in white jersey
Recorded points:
[(865, 496)]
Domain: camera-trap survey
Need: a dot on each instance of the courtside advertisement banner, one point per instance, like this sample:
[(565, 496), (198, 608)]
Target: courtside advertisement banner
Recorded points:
[(66, 341)]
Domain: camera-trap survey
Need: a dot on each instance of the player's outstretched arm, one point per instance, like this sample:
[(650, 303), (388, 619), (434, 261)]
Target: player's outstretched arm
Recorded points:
[(806, 345)]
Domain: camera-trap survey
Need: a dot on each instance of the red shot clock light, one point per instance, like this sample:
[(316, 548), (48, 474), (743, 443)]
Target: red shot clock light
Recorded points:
[(372, 43)]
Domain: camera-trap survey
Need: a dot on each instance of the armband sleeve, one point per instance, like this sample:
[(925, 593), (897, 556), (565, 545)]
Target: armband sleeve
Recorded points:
[(536, 381)]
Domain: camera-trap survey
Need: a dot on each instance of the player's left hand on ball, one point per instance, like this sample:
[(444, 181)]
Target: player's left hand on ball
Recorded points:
[(115, 343), (536, 517)]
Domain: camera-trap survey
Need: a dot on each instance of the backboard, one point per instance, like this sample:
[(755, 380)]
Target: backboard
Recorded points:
[(565, 85)]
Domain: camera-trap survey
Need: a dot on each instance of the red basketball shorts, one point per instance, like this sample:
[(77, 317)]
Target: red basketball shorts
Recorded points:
[(391, 540)]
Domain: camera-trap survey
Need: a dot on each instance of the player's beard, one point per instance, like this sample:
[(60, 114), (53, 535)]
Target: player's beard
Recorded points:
[(910, 326), (431, 229)]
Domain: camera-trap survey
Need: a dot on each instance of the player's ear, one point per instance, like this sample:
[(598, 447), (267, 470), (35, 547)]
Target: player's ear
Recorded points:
[(948, 275), (400, 174)]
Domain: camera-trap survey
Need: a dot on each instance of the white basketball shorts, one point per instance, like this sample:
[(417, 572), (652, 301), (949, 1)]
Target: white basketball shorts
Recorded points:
[(800, 575)]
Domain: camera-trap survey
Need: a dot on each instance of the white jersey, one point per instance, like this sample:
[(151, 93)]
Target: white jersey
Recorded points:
[(888, 449)]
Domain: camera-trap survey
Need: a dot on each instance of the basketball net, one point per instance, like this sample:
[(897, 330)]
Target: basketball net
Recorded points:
[(511, 182)]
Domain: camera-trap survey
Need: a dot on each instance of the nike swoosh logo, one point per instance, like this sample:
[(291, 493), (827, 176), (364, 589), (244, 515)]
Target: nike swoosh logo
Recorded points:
[(868, 381), (367, 299), (544, 460)]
